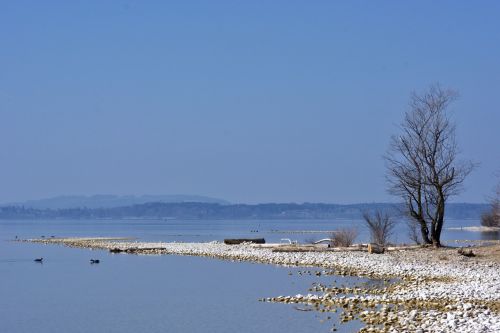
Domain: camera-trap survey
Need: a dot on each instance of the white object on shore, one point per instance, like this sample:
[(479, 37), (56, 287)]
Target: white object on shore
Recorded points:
[(289, 240), (323, 240)]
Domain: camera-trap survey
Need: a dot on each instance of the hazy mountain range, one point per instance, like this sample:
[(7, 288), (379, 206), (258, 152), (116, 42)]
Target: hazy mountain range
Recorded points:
[(109, 201)]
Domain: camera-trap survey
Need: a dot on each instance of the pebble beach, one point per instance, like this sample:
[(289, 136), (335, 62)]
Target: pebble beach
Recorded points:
[(432, 290)]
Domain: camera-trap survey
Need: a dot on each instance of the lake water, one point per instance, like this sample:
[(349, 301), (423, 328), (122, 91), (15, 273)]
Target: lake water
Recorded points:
[(128, 293)]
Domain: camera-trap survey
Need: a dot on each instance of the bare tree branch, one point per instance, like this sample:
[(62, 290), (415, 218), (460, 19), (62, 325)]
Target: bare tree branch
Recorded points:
[(422, 166)]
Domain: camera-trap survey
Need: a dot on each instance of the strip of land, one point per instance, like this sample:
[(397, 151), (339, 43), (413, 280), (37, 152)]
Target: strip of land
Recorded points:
[(439, 290), (477, 229)]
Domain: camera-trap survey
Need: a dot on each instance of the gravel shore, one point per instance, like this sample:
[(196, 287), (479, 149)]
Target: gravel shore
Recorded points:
[(439, 290)]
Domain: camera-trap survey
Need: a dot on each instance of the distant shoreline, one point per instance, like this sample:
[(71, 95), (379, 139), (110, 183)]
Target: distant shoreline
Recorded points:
[(476, 229), (214, 211)]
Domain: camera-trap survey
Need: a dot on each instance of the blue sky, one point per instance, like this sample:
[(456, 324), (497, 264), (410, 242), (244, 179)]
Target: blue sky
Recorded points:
[(250, 101)]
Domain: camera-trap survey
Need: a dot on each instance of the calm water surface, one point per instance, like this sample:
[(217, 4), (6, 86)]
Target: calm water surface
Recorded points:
[(128, 293)]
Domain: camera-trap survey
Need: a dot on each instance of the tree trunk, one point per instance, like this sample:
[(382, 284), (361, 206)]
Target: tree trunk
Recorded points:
[(435, 239), (436, 235), (437, 225), (425, 232), (419, 216)]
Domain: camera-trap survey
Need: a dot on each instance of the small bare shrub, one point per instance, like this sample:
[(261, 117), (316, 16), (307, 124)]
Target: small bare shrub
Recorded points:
[(380, 225), (343, 237)]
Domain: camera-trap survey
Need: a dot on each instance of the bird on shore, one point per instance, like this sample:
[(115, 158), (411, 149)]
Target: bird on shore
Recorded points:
[(38, 260), (94, 261)]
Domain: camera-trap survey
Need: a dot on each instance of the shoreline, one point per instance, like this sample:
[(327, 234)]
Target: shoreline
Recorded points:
[(439, 290)]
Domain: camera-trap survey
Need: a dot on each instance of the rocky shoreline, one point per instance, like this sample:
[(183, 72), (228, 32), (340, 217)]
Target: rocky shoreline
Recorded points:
[(438, 290)]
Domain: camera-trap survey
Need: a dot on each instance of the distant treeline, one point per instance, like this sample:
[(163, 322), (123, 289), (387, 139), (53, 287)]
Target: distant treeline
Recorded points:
[(206, 211)]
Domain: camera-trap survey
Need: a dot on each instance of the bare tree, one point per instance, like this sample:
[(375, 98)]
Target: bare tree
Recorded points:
[(422, 166), (380, 225)]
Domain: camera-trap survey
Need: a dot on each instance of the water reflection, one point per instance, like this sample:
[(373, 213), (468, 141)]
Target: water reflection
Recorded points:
[(490, 235)]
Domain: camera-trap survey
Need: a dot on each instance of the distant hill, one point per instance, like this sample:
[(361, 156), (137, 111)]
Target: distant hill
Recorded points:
[(204, 210), (110, 201)]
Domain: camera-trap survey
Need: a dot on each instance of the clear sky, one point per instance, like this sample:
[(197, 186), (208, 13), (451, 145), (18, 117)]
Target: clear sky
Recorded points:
[(250, 101)]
